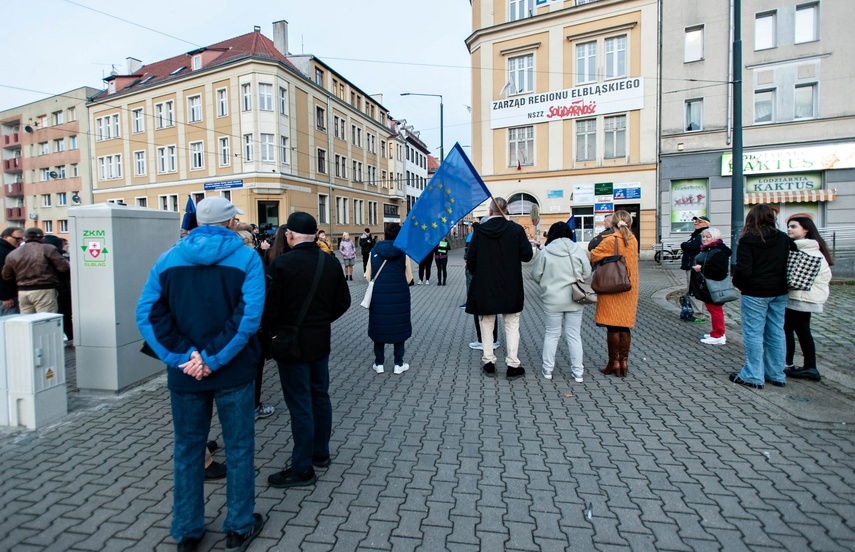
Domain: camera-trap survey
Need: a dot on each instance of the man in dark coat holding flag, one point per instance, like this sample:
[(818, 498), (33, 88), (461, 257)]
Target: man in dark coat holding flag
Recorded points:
[(496, 253)]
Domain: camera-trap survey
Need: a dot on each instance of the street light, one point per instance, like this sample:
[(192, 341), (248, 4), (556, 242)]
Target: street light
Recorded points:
[(441, 125)]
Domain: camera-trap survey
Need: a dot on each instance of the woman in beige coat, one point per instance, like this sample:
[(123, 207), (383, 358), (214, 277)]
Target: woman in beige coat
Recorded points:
[(616, 311)]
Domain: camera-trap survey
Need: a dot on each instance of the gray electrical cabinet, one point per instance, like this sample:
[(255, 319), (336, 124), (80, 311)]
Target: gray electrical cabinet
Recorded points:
[(112, 249)]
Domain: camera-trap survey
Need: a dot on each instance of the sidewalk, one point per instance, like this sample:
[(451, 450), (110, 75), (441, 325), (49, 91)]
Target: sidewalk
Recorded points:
[(673, 457)]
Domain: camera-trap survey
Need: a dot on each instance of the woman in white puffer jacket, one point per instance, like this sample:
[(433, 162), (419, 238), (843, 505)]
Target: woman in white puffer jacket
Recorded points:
[(560, 264), (802, 303)]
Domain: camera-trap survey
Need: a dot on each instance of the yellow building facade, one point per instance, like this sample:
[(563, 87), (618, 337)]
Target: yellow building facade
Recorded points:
[(565, 111)]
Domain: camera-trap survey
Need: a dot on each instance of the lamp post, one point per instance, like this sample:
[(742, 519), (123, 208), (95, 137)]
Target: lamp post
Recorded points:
[(441, 124)]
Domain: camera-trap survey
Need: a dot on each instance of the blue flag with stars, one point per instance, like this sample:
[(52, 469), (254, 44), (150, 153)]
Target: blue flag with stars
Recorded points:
[(455, 189)]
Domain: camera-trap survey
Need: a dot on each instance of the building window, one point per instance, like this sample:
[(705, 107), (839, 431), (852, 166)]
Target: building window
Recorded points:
[(166, 159), (110, 167), (694, 44), (72, 114), (247, 97), (356, 136), (341, 213), (225, 152), (521, 72), (358, 211), (58, 118), (45, 200), (197, 156), (48, 227), (45, 175), (164, 114), (72, 142), (59, 145), (283, 101), (805, 101), (615, 129), (383, 149), (74, 171), (372, 213), (322, 161), (764, 106), (807, 23), (44, 148), (521, 146), (247, 148), (62, 199), (694, 115), (586, 140), (586, 62), (168, 202), (139, 163), (319, 77), (323, 209), (340, 166), (283, 145), (520, 9), (616, 57), (222, 102), (142, 202), (765, 31), (194, 108), (267, 149), (63, 226), (60, 172), (336, 122), (137, 122), (320, 118), (197, 62), (265, 97)]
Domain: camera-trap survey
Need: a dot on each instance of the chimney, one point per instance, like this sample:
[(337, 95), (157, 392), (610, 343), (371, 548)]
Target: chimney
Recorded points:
[(280, 36), (133, 65)]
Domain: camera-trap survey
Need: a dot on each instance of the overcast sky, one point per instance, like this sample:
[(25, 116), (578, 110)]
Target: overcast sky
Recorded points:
[(383, 46)]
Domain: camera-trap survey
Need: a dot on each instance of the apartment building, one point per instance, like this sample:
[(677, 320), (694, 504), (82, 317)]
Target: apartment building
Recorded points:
[(564, 110), (242, 118), (45, 155), (798, 123)]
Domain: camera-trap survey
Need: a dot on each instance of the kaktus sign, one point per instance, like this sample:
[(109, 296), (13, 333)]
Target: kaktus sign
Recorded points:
[(581, 101)]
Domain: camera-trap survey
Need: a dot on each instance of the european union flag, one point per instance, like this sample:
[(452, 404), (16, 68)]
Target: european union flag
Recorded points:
[(188, 210), (571, 222), (455, 189)]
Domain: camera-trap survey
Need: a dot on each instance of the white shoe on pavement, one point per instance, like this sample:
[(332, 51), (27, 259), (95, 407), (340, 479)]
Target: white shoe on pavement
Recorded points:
[(578, 379), (546, 374), (427, 282), (476, 345), (377, 368), (715, 340), (402, 368)]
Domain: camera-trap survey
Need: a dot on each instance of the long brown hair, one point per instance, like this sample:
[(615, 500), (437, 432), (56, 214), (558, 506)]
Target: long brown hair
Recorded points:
[(624, 229), (812, 234), (280, 244), (759, 217)]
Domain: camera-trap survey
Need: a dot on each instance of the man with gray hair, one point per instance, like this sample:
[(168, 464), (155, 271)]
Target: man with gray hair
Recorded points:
[(199, 312), (498, 248)]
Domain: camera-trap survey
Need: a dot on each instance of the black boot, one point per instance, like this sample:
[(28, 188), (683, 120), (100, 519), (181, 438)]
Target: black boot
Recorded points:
[(803, 373)]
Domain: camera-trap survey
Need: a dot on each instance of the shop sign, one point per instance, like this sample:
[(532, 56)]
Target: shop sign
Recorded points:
[(582, 101), (225, 185), (808, 158), (783, 183), (627, 191), (688, 200), (583, 194)]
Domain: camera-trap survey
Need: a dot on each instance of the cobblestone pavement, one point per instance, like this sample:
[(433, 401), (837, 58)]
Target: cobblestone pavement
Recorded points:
[(673, 457)]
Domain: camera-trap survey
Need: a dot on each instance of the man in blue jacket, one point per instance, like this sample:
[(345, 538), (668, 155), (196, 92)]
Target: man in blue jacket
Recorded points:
[(200, 310)]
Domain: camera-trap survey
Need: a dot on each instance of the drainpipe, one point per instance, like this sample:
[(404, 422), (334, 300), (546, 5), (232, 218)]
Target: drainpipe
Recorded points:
[(729, 127), (330, 156), (657, 235)]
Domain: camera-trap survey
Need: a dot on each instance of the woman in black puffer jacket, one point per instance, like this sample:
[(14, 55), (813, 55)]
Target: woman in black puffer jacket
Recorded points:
[(711, 264)]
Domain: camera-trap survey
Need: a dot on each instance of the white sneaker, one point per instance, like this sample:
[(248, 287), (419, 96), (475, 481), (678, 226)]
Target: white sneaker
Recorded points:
[(402, 368), (427, 282), (476, 345), (419, 283), (547, 375), (715, 340), (578, 379), (706, 336), (377, 368)]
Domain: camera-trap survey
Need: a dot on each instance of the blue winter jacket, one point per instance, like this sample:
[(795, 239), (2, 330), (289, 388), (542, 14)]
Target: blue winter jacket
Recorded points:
[(205, 294), (389, 315)]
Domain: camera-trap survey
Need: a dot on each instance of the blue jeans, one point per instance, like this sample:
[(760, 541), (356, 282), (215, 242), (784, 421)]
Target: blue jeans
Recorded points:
[(191, 420), (380, 353), (306, 386), (763, 337)]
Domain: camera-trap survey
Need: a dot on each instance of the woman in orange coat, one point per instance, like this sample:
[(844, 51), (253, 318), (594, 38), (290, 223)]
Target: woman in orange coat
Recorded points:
[(616, 311)]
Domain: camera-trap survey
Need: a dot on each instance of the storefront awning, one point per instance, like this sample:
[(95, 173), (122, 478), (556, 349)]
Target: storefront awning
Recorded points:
[(794, 196)]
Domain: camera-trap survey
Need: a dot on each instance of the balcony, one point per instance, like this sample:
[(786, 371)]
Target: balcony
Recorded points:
[(12, 165), (15, 213), (11, 140), (14, 189)]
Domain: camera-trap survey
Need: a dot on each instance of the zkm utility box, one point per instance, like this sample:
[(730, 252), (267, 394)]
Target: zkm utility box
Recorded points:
[(35, 366)]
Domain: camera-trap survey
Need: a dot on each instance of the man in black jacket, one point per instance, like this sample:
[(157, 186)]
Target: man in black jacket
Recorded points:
[(691, 248), (305, 378), (496, 253), (10, 239), (366, 242)]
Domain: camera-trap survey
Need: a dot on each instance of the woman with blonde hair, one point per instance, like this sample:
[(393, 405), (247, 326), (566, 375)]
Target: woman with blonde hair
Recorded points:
[(616, 311)]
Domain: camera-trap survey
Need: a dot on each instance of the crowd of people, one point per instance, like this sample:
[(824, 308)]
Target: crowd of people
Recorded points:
[(218, 304)]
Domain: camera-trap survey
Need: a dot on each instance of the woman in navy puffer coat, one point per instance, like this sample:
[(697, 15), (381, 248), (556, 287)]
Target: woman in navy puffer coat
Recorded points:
[(389, 314)]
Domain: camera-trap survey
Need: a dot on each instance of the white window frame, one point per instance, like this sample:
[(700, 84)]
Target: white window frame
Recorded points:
[(48, 226), (586, 139), (194, 108), (59, 145), (168, 202), (63, 226), (248, 152), (137, 121), (614, 129), (320, 118), (813, 97), (359, 211), (521, 73), (761, 20), (265, 96), (268, 149), (46, 200), (246, 91), (197, 155), (693, 44), (340, 166), (72, 142), (61, 199), (222, 102), (58, 118), (372, 213), (615, 48), (225, 153), (141, 201), (60, 172), (771, 101), (693, 105), (342, 214), (283, 101), (520, 9), (139, 163), (197, 62), (166, 161), (322, 161), (521, 146), (323, 209), (74, 170), (110, 167), (283, 146), (800, 36), (586, 62)]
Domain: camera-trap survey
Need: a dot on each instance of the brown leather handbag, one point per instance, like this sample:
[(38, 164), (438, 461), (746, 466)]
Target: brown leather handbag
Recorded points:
[(611, 274)]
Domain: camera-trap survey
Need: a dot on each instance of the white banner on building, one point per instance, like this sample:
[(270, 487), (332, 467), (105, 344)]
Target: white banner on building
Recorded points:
[(582, 101)]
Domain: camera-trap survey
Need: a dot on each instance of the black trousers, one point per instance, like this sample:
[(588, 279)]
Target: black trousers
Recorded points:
[(424, 268), (442, 271), (798, 323)]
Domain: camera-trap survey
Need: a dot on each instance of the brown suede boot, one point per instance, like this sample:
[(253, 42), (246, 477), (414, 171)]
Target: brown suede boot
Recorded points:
[(613, 341), (623, 352)]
